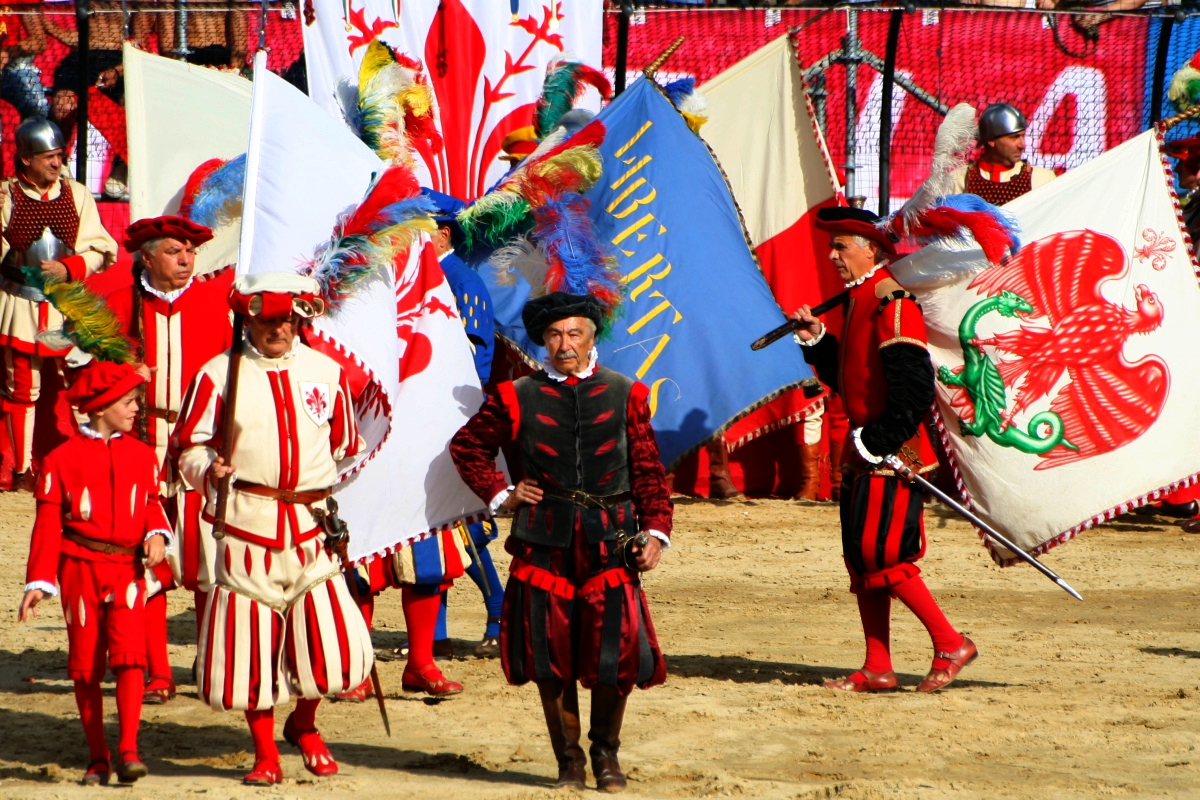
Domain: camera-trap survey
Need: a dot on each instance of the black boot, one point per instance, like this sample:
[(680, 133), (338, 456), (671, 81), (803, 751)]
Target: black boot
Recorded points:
[(608, 712), (561, 706)]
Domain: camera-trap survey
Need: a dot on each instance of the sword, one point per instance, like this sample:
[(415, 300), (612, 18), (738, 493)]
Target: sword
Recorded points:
[(465, 532), (906, 472), (337, 536), (791, 325)]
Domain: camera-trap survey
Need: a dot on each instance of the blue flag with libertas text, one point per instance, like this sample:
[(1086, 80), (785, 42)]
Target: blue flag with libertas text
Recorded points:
[(695, 298)]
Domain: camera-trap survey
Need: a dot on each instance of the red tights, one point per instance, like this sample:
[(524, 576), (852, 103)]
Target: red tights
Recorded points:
[(262, 727), (90, 700), (420, 618), (159, 674), (875, 608)]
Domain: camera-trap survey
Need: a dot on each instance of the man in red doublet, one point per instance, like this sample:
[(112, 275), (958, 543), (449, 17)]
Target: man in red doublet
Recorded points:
[(178, 322), (881, 367)]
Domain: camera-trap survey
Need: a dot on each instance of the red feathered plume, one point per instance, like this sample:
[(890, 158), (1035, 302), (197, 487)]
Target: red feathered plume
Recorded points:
[(992, 237)]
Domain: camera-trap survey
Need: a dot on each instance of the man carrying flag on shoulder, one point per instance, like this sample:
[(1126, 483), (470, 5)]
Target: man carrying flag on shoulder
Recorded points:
[(880, 364)]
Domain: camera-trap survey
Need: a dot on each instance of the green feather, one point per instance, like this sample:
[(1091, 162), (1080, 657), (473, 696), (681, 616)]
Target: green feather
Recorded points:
[(558, 96), (495, 219), (89, 322)]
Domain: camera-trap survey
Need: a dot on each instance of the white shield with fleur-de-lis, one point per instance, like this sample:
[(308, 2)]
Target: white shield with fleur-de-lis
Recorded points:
[(317, 402)]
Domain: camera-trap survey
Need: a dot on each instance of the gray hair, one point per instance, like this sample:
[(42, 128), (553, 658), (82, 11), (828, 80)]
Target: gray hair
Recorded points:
[(150, 247)]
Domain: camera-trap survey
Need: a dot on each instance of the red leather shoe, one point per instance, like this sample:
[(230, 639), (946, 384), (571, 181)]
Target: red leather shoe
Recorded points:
[(960, 658), (317, 758), (358, 694), (265, 773), (98, 773), (865, 681), (430, 680)]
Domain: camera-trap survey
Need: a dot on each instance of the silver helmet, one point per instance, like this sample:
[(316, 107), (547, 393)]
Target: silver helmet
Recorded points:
[(1000, 119), (37, 135)]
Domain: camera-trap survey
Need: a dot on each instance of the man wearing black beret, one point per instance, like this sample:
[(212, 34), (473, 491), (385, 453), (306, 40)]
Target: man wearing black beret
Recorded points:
[(592, 511)]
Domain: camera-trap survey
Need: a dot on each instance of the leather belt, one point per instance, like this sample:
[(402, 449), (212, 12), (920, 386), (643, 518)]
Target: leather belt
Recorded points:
[(286, 495), (163, 413), (99, 546), (580, 498)]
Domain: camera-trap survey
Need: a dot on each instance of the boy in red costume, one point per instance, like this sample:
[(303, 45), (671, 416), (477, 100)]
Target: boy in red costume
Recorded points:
[(97, 513)]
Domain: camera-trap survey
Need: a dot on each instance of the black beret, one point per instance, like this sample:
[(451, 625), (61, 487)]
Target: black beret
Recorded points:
[(542, 312)]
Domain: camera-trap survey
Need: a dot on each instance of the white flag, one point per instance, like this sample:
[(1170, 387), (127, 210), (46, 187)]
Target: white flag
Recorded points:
[(399, 334), (1067, 377)]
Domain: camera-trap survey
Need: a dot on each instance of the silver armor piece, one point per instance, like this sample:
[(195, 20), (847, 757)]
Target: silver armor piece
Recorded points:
[(36, 135), (1000, 119), (48, 247)]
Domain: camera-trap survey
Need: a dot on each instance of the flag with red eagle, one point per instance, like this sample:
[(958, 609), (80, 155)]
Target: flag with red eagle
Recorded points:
[(1066, 374)]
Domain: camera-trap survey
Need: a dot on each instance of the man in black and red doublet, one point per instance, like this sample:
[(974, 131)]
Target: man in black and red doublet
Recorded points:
[(573, 609), (880, 364)]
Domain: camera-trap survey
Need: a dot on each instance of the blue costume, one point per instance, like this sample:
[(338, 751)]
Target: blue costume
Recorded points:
[(475, 308)]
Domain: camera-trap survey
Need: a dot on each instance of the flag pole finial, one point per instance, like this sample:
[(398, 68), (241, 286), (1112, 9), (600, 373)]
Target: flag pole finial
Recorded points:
[(653, 66)]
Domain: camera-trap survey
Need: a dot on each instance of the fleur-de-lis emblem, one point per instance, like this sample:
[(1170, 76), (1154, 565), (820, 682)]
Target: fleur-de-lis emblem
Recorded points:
[(1155, 250), (315, 400)]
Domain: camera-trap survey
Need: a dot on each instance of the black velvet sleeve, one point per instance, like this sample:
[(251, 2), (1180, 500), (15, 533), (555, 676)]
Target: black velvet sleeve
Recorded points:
[(909, 373), (823, 358)]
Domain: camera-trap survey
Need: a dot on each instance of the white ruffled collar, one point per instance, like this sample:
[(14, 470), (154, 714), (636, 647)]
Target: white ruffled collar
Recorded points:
[(555, 375), (859, 281), (169, 297)]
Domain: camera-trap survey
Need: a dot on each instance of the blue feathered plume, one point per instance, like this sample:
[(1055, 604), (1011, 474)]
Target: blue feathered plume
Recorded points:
[(974, 204), (578, 262), (218, 198), (680, 90)]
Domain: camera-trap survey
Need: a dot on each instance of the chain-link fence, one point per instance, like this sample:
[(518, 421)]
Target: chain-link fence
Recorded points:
[(55, 54), (1085, 81)]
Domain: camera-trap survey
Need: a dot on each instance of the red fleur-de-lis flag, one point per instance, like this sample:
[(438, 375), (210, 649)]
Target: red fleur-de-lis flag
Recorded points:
[(484, 59), (1066, 375)]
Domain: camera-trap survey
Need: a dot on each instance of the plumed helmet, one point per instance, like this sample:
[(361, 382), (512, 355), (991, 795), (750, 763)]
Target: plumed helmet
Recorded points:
[(1000, 119), (38, 135)]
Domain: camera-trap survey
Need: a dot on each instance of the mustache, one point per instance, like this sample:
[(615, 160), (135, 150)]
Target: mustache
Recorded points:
[(565, 354)]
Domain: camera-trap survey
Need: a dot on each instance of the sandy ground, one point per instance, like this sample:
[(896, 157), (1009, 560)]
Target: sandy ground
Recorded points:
[(1067, 699)]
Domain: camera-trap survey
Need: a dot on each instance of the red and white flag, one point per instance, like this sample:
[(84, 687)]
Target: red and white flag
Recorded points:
[(387, 335), (1067, 374), (762, 130), (485, 62)]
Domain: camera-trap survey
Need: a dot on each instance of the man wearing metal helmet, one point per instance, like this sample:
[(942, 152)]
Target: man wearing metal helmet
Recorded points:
[(49, 223), (1001, 174)]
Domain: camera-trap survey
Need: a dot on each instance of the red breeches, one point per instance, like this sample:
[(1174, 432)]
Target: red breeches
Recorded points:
[(104, 606)]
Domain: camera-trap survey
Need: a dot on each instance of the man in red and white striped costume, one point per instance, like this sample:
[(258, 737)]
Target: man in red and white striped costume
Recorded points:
[(279, 619), (50, 223), (178, 322)]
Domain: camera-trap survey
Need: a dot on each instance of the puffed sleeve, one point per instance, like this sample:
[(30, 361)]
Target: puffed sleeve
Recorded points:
[(647, 478), (475, 446)]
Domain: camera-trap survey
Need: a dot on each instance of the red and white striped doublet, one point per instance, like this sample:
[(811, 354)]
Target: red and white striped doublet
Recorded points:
[(279, 623), (279, 619)]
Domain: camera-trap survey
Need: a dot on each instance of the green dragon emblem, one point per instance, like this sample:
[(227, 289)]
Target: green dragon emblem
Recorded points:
[(981, 380)]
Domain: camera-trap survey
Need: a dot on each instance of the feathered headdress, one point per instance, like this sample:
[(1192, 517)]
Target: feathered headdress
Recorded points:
[(88, 322), (391, 106), (689, 102), (213, 193), (565, 83), (1184, 90), (368, 238), (559, 166), (934, 211)]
